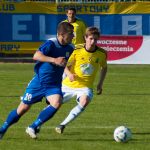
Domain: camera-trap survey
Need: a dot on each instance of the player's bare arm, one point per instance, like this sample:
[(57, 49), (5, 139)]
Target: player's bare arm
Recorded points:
[(101, 80), (70, 75), (60, 61)]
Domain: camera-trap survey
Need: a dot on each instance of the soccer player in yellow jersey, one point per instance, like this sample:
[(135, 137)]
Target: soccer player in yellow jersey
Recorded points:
[(78, 24), (81, 71)]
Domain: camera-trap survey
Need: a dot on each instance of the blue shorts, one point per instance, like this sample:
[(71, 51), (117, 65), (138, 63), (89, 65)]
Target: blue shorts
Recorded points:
[(35, 92)]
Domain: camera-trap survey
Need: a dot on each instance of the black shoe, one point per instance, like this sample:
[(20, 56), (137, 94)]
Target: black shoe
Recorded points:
[(2, 132), (60, 129), (38, 129)]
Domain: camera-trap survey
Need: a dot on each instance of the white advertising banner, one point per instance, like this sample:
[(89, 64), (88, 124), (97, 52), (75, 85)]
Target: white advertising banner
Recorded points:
[(126, 49)]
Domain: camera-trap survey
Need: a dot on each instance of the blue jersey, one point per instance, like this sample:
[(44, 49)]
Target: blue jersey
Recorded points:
[(49, 74)]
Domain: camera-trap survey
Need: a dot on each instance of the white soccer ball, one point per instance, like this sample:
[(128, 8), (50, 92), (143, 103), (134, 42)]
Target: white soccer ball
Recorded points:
[(122, 134)]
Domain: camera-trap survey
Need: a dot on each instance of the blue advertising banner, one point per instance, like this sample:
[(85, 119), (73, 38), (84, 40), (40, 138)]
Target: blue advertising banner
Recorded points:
[(39, 27), (35, 22), (28, 27)]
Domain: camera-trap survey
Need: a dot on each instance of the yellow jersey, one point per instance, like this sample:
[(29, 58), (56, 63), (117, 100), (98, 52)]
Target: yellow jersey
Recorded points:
[(85, 65), (79, 31)]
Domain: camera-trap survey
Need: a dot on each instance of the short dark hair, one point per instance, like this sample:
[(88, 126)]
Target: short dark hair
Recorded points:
[(64, 27), (71, 8)]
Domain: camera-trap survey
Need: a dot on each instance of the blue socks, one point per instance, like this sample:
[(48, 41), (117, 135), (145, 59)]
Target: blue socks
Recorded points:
[(12, 118), (45, 115)]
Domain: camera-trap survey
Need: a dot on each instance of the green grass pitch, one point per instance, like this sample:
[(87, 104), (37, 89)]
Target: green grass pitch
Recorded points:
[(125, 101)]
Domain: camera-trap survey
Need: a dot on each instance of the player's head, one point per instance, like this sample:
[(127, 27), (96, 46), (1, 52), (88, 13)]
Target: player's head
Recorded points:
[(65, 33), (71, 14), (92, 34)]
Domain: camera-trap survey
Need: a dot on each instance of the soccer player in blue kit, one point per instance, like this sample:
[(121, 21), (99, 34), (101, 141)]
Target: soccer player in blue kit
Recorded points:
[(51, 61)]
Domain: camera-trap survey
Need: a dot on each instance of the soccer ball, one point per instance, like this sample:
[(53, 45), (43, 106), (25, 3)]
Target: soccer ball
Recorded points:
[(122, 134)]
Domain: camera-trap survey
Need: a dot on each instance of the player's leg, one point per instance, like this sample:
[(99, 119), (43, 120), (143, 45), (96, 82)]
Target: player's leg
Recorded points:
[(84, 100), (55, 100), (13, 117), (34, 93), (74, 113), (30, 96), (67, 95)]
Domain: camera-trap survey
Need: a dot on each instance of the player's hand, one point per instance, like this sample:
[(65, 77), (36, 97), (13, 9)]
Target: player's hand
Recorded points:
[(60, 61), (71, 77)]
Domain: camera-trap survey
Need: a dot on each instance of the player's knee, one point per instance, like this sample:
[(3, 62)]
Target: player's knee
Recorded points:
[(56, 103), (22, 108), (84, 102)]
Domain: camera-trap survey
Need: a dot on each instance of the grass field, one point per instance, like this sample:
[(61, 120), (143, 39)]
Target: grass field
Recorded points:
[(125, 101)]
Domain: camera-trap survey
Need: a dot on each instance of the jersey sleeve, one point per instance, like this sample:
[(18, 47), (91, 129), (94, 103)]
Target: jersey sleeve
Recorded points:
[(46, 47)]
